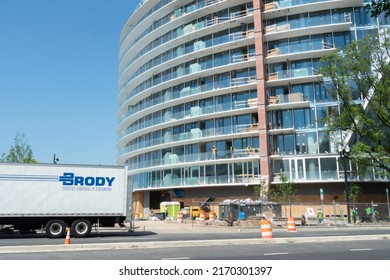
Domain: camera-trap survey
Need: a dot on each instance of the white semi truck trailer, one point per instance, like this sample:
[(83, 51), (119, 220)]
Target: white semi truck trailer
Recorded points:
[(56, 196)]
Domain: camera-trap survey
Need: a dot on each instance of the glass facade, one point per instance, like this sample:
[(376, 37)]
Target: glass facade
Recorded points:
[(299, 145), (192, 112), (187, 85)]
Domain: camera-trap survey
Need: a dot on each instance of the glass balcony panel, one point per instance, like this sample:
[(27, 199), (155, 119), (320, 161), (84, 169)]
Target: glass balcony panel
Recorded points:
[(312, 172), (328, 168), (320, 18), (303, 72), (299, 21), (284, 4)]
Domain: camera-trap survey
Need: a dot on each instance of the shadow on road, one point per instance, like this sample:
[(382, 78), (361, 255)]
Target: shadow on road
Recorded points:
[(94, 234)]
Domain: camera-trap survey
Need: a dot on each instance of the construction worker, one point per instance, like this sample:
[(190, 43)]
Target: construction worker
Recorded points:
[(376, 215), (303, 220), (354, 214), (320, 216), (232, 151), (214, 151), (369, 213)]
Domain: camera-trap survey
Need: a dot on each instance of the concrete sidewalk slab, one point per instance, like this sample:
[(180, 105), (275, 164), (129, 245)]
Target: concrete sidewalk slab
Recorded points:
[(251, 225)]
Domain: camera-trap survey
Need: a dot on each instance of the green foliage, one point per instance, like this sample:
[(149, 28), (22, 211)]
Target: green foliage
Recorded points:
[(377, 7), (285, 192), (354, 192), (20, 152), (364, 109)]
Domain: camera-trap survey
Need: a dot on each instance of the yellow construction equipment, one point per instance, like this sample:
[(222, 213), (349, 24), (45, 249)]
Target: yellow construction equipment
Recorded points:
[(195, 210)]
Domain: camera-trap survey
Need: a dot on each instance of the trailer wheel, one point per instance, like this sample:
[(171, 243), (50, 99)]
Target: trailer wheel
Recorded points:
[(55, 228), (81, 228)]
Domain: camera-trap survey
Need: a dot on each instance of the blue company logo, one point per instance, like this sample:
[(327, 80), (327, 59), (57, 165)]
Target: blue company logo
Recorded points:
[(69, 179)]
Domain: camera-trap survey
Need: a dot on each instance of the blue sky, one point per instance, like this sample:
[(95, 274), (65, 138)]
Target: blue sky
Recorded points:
[(58, 77)]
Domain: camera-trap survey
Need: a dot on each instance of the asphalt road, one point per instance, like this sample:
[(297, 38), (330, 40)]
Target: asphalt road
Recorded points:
[(199, 244), (346, 251), (119, 236), (332, 250)]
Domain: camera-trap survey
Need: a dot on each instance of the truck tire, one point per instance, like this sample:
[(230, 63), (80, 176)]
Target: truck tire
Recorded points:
[(55, 228), (81, 228)]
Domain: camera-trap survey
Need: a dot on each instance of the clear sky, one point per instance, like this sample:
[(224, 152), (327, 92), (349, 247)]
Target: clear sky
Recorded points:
[(58, 77)]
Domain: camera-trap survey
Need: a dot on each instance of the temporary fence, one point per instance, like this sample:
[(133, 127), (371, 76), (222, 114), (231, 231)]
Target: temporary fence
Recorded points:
[(336, 213), (242, 209), (333, 213)]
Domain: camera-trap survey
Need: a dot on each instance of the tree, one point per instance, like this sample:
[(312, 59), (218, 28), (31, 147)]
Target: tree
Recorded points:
[(284, 192), (261, 190), (354, 192), (378, 7), (20, 152), (360, 81)]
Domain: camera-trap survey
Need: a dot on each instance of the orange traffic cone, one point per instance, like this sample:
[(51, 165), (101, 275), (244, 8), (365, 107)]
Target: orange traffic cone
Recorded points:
[(291, 225), (67, 239)]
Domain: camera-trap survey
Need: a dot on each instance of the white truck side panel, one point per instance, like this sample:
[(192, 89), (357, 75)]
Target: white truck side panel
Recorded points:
[(36, 189)]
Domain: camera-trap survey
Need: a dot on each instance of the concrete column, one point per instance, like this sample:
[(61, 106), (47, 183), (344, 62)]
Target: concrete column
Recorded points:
[(261, 92)]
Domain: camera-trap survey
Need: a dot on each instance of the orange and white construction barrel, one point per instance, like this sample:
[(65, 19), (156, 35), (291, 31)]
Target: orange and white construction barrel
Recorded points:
[(291, 225), (266, 229), (202, 217), (179, 217), (212, 216)]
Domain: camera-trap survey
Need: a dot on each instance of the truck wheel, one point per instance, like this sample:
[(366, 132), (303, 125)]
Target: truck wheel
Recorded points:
[(81, 228), (55, 228)]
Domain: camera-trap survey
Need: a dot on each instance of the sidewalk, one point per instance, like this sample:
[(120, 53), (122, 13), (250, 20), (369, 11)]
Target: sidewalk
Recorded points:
[(250, 225), (186, 226)]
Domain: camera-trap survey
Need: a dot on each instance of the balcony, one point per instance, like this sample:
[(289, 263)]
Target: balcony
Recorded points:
[(243, 81), (280, 130), (290, 7), (192, 136), (173, 181), (200, 113), (249, 103), (252, 102), (275, 28), (271, 6), (211, 2), (306, 26), (222, 157), (273, 52), (128, 90), (247, 128), (301, 75), (305, 50), (287, 101), (243, 57), (183, 32)]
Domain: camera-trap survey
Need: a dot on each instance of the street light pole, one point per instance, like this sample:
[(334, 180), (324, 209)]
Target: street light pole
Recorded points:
[(347, 189), (344, 155), (388, 204), (55, 159)]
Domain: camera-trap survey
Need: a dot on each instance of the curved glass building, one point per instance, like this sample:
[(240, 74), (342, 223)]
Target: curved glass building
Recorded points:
[(217, 95)]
